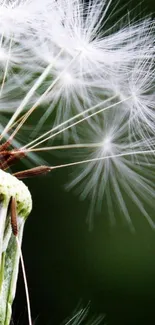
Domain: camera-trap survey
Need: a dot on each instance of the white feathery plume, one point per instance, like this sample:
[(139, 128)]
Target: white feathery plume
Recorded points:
[(137, 86), (12, 14), (18, 15), (115, 169), (95, 62), (81, 63)]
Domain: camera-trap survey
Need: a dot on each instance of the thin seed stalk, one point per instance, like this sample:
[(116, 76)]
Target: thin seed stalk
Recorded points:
[(10, 187)]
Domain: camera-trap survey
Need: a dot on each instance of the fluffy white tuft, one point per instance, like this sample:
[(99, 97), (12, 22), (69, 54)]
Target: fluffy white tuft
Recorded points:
[(65, 56)]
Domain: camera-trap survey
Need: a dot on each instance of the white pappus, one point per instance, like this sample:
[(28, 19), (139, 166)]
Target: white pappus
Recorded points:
[(97, 81)]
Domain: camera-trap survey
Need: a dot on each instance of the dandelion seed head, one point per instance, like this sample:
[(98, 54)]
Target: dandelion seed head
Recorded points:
[(86, 67)]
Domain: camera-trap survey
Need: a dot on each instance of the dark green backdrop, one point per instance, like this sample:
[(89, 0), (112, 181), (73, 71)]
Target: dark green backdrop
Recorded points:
[(66, 263)]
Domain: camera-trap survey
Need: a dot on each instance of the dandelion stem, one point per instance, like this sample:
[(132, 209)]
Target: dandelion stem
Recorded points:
[(10, 187)]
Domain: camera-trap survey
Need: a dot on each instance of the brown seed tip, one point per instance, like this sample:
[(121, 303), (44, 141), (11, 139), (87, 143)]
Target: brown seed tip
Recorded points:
[(39, 170)]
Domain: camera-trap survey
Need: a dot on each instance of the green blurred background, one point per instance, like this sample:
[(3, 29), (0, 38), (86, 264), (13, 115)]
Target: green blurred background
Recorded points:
[(67, 264)]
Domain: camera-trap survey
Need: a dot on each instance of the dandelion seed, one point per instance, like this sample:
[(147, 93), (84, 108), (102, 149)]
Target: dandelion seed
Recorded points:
[(110, 170)]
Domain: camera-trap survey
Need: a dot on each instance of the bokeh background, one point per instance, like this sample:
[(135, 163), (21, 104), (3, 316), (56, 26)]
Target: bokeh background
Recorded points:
[(67, 264)]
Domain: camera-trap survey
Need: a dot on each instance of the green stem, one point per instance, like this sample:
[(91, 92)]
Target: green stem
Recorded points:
[(9, 251)]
